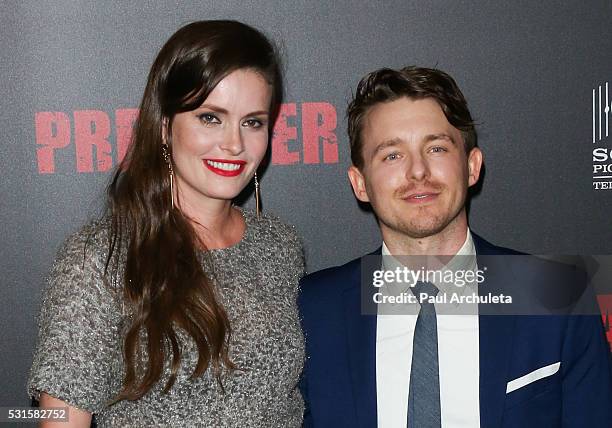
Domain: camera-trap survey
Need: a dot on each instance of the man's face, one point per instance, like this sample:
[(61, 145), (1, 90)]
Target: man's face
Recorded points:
[(415, 172)]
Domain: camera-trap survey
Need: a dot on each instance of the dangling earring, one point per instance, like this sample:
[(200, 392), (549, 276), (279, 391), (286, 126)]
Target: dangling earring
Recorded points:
[(168, 159), (257, 197)]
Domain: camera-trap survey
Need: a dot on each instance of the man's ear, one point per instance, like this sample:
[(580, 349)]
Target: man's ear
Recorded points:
[(474, 165), (358, 183)]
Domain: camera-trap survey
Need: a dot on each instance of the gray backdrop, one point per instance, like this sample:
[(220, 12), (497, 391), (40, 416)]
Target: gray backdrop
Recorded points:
[(531, 72)]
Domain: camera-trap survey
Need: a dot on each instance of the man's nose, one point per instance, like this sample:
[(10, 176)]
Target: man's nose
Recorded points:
[(417, 168)]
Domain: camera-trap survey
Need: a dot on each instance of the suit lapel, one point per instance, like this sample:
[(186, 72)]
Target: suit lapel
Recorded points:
[(495, 336), (361, 342), (495, 347)]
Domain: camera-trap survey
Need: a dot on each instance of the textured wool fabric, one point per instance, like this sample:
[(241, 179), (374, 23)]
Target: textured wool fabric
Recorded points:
[(79, 354)]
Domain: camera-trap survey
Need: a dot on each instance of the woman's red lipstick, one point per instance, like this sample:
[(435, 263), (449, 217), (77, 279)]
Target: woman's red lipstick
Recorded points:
[(225, 167)]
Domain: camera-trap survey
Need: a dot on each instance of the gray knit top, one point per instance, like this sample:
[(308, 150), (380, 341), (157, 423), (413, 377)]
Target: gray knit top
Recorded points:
[(79, 354)]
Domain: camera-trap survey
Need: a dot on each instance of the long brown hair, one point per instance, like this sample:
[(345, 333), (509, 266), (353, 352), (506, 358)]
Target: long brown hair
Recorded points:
[(164, 284)]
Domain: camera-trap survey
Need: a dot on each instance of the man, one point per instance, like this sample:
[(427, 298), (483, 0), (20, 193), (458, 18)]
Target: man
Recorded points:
[(414, 155)]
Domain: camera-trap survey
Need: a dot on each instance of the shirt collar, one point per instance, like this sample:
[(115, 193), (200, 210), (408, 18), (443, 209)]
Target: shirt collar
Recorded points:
[(467, 249), (464, 259)]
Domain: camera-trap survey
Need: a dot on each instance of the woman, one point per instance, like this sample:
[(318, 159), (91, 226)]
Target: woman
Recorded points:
[(177, 308)]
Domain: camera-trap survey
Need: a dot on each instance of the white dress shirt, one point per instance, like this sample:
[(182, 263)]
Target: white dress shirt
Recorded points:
[(458, 353)]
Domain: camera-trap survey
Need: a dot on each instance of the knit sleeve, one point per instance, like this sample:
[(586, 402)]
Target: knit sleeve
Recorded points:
[(78, 351)]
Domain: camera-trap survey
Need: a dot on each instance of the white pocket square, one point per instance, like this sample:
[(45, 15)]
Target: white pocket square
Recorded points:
[(538, 374)]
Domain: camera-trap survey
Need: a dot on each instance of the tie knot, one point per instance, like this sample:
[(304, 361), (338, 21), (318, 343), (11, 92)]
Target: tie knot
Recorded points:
[(425, 287)]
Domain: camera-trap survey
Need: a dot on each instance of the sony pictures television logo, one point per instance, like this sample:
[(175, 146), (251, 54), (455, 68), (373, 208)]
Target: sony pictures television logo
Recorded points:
[(602, 156)]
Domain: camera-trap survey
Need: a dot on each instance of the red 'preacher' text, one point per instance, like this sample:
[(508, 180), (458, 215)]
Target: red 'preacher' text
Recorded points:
[(303, 133)]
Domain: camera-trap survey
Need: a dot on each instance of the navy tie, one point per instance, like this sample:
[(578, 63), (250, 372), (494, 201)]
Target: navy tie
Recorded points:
[(424, 396)]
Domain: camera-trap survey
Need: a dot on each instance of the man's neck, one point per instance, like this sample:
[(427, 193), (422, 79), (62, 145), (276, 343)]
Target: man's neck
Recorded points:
[(444, 243)]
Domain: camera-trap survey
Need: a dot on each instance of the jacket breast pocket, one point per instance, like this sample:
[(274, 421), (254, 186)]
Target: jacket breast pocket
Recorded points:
[(536, 385)]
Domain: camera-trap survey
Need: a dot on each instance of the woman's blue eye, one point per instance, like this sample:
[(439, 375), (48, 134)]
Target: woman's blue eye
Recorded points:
[(253, 123), (208, 118), (392, 156)]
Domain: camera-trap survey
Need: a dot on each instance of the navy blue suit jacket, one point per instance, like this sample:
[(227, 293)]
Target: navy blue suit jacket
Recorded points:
[(339, 378)]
